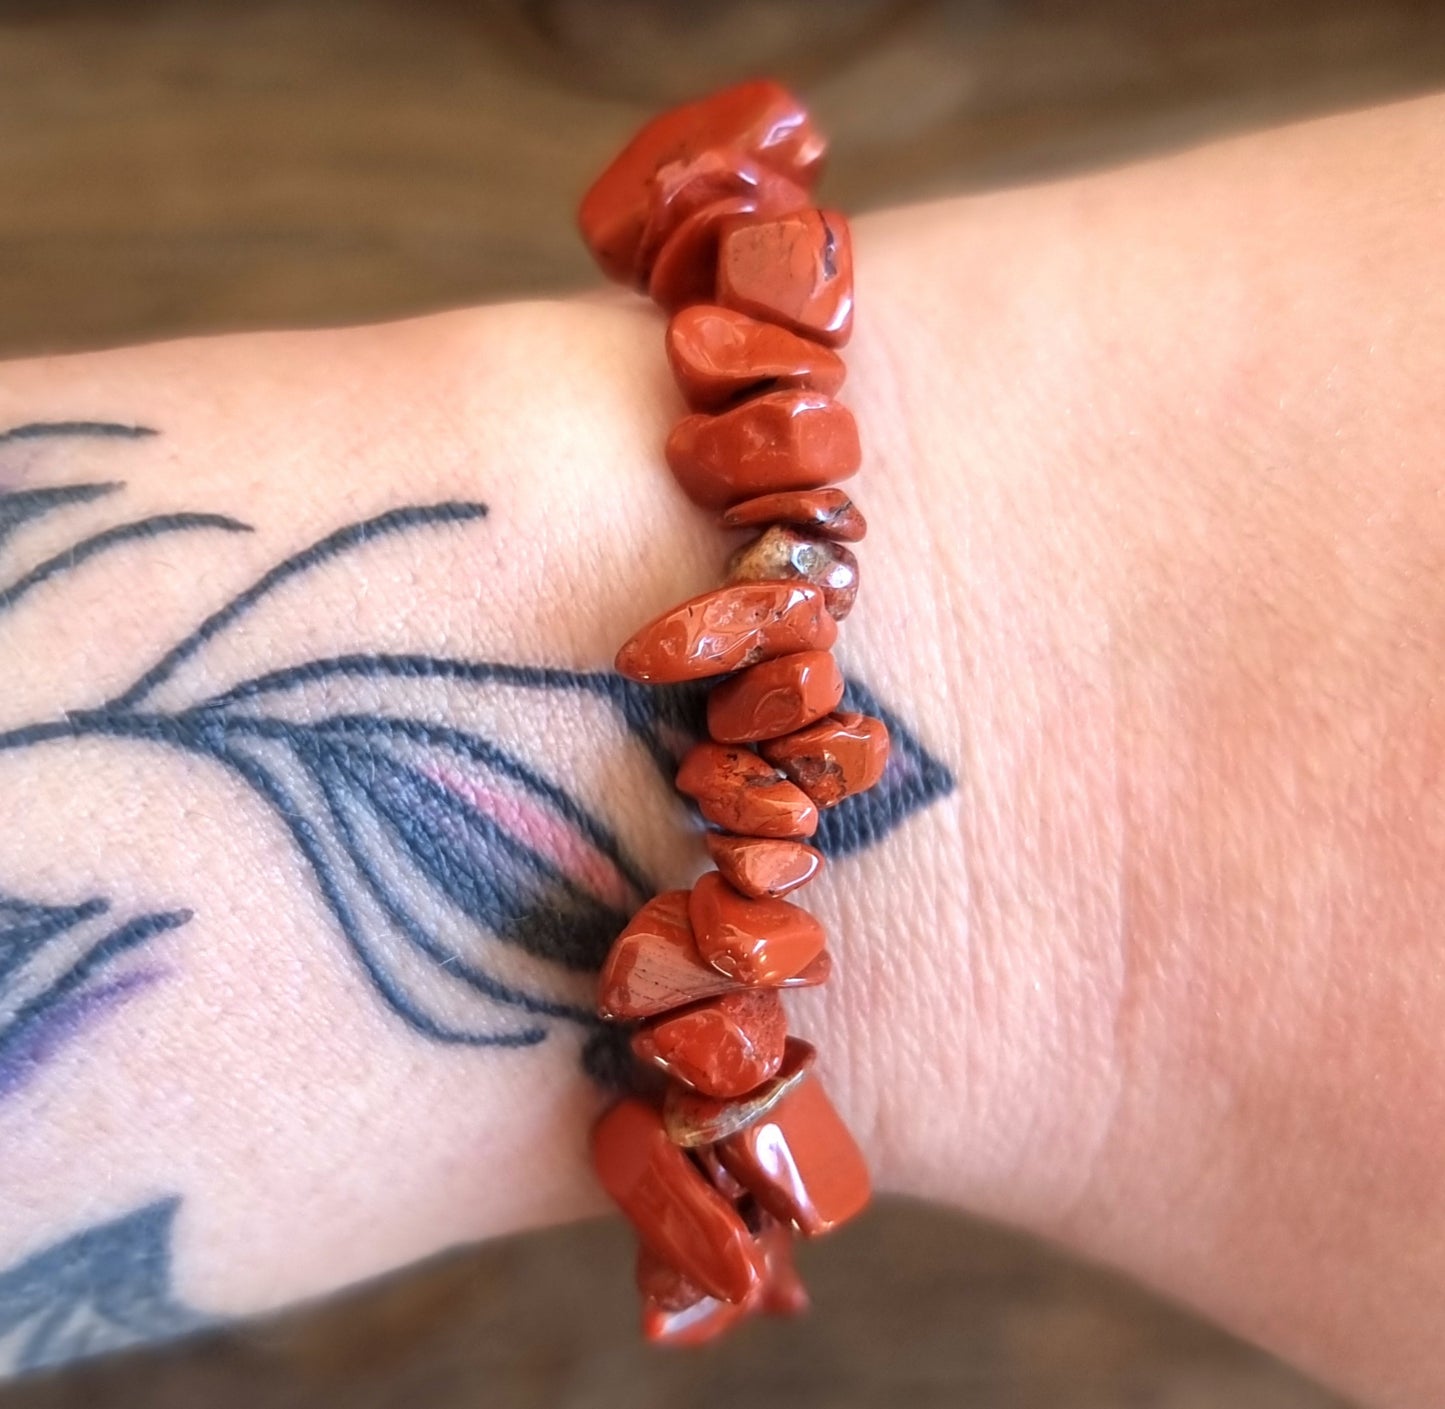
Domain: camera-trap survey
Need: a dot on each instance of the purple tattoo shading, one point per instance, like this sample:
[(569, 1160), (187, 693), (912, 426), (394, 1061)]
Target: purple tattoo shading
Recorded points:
[(52, 1029), (63, 968)]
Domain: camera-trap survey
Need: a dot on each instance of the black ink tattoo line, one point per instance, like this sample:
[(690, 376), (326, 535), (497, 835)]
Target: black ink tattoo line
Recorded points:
[(59, 430), (25, 925), (109, 538), (330, 547), (22, 506)]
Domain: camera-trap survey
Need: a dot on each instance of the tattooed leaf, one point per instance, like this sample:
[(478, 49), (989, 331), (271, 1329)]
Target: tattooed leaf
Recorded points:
[(478, 895), (490, 837), (62, 967), (101, 1290)]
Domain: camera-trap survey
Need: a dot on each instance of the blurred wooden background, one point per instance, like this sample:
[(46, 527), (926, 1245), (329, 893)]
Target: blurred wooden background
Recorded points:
[(174, 165), (171, 166)]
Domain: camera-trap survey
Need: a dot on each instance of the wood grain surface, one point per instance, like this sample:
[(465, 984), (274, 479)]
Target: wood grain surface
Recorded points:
[(170, 167)]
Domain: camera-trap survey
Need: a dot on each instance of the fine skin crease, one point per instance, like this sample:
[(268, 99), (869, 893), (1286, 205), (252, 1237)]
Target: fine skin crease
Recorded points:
[(1156, 567)]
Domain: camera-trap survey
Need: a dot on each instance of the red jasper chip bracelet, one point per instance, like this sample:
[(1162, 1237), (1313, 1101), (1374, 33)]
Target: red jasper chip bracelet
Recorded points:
[(736, 1148)]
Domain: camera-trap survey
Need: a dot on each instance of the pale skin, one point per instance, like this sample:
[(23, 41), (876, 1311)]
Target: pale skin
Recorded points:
[(1156, 568)]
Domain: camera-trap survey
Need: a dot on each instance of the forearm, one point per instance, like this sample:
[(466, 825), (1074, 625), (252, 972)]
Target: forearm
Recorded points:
[(1152, 572), (1196, 616)]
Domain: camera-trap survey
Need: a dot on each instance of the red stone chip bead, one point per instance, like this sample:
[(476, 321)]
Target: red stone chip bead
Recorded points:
[(726, 1046), (843, 754), (760, 121), (829, 513), (774, 698), (720, 176), (668, 1319), (695, 1121), (783, 1292), (796, 270), (736, 789), (753, 941), (655, 967), (788, 554), (697, 1324), (719, 356), (778, 441), (800, 1162), (685, 269), (708, 1162), (762, 868), (677, 1213), (654, 964), (679, 189), (662, 1283), (727, 629)]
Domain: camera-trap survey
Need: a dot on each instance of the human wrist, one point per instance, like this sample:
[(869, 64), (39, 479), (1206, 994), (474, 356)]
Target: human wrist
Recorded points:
[(547, 418)]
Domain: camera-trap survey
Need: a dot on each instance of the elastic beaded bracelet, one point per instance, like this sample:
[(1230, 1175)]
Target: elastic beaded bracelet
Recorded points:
[(736, 1148)]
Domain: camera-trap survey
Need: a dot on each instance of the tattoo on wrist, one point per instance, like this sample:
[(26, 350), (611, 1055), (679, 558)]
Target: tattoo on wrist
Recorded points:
[(471, 888), (477, 894)]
